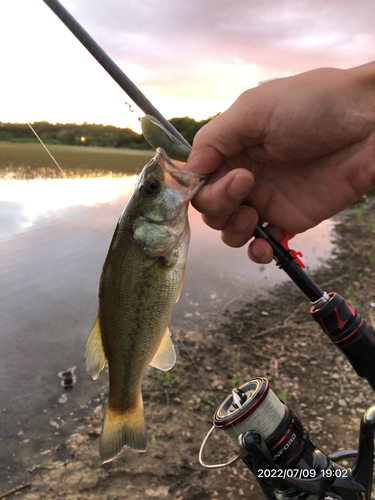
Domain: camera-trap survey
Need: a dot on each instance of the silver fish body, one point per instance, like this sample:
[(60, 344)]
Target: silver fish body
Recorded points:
[(140, 283)]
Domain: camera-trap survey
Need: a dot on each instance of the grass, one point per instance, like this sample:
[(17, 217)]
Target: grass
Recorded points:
[(282, 396), (30, 159), (351, 299)]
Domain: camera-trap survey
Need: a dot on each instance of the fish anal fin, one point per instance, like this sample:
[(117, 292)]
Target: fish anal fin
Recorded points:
[(122, 429), (94, 356), (165, 357)]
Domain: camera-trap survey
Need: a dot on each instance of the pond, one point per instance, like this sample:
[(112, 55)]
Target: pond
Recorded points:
[(54, 238)]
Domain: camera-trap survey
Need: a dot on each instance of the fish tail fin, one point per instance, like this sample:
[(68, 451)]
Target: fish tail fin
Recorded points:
[(122, 429)]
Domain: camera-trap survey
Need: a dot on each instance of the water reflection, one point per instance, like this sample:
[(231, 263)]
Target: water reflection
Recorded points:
[(54, 237), (215, 270), (37, 197)]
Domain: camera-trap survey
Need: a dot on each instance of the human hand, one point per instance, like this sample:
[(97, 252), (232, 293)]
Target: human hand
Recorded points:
[(291, 152)]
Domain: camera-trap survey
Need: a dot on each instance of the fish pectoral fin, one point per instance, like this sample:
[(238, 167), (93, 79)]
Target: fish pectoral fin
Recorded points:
[(94, 356), (181, 285), (165, 357)]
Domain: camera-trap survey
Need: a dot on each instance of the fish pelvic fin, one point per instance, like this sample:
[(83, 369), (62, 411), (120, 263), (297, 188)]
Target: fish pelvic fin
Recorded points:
[(122, 429), (94, 356), (165, 357)]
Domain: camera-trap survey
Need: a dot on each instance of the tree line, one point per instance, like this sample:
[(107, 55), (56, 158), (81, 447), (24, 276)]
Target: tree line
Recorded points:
[(87, 134)]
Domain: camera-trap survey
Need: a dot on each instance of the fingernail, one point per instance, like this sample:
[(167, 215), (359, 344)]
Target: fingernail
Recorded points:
[(257, 251), (243, 220), (239, 186)]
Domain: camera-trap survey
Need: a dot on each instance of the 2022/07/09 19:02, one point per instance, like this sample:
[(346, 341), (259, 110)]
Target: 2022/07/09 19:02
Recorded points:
[(300, 473)]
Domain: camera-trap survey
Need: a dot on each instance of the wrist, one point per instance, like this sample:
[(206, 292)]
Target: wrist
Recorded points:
[(363, 80), (364, 73), (364, 87)]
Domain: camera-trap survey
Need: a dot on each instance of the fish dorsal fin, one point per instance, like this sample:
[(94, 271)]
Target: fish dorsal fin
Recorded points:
[(165, 357), (181, 285), (94, 356)]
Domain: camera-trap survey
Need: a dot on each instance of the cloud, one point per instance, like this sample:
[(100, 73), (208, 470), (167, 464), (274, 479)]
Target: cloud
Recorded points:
[(225, 29), (173, 39), (188, 57)]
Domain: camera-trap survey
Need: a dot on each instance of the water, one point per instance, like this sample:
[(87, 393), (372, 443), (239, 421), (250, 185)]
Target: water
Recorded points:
[(54, 236)]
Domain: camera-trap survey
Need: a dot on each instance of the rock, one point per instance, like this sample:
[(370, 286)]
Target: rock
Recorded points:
[(98, 412), (63, 399), (89, 480), (73, 479), (54, 424), (76, 439), (160, 492)]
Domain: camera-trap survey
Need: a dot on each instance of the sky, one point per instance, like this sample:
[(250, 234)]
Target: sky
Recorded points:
[(189, 57)]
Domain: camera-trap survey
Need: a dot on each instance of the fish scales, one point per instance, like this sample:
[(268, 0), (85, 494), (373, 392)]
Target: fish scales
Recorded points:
[(140, 283), (148, 298)]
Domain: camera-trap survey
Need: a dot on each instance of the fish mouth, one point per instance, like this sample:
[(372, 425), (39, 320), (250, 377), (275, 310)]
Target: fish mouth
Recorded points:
[(190, 181)]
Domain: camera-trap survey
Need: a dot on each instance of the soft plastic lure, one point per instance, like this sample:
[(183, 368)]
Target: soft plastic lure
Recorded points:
[(159, 137)]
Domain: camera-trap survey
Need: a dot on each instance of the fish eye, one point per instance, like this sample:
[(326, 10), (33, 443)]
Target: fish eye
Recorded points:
[(152, 186)]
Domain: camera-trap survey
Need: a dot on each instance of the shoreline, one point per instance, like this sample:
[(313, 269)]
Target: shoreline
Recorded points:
[(272, 337)]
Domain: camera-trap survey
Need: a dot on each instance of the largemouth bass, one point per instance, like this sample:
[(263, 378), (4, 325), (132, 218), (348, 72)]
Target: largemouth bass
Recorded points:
[(140, 283)]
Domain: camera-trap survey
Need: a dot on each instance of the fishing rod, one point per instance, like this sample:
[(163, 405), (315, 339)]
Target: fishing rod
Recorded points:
[(283, 443)]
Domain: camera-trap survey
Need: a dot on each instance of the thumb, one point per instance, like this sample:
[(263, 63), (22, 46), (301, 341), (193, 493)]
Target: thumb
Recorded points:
[(227, 134)]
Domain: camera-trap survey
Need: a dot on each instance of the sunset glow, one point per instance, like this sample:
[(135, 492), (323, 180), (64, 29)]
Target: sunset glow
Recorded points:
[(195, 60)]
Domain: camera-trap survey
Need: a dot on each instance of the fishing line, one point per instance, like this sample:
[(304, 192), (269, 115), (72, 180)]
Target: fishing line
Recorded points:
[(45, 147), (130, 107), (234, 429), (194, 363), (64, 174)]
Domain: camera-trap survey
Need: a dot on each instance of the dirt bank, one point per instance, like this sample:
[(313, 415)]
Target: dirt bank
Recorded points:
[(275, 338)]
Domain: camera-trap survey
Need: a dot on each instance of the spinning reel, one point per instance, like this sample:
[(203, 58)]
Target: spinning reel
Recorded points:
[(274, 445)]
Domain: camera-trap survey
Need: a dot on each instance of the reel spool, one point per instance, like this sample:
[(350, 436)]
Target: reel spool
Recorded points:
[(254, 407), (251, 407)]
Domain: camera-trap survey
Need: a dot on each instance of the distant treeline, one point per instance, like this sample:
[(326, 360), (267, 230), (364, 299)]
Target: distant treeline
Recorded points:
[(91, 134)]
